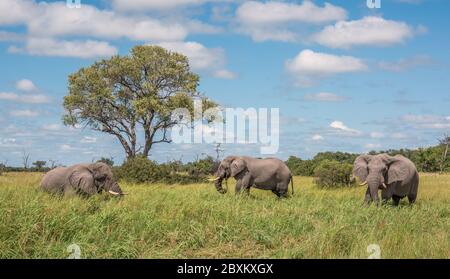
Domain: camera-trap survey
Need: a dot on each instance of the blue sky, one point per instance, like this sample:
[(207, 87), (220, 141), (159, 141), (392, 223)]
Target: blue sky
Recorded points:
[(344, 76)]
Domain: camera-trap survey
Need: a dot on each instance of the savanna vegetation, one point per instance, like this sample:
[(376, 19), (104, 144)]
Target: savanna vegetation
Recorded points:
[(194, 221)]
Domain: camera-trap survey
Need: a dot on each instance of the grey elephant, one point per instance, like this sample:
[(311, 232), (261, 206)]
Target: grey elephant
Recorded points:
[(82, 179), (266, 174), (396, 176)]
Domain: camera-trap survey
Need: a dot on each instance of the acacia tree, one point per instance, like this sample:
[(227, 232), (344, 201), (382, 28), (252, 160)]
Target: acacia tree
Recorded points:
[(125, 93)]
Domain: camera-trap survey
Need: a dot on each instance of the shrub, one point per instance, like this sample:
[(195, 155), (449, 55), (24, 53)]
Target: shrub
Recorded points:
[(143, 170), (203, 167), (331, 173)]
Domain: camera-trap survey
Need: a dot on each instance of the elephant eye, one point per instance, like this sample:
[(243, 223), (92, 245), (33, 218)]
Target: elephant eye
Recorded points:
[(101, 179)]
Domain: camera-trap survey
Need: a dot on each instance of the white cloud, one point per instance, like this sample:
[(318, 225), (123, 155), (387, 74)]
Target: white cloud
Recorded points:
[(372, 145), (368, 31), (270, 20), (225, 74), (8, 96), (79, 49), (10, 36), (24, 113), (139, 5), (428, 121), (405, 64), (324, 97), (25, 85), (201, 58), (376, 135), (340, 126), (27, 99), (88, 139), (66, 148), (317, 138), (52, 127), (309, 65)]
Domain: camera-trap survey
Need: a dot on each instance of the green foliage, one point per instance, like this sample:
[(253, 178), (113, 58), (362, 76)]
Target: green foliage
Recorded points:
[(202, 167), (331, 173), (142, 170), (118, 95), (39, 165), (108, 161), (300, 167)]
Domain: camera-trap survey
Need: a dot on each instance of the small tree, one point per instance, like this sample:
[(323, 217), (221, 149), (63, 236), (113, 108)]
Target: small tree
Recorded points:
[(331, 173), (118, 95), (39, 165), (25, 159)]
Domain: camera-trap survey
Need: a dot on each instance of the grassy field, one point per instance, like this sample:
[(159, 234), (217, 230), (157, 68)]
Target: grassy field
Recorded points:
[(194, 221)]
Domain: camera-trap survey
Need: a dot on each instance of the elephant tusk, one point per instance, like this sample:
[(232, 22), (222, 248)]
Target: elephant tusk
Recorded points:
[(114, 193), (214, 179), (384, 186), (364, 183)]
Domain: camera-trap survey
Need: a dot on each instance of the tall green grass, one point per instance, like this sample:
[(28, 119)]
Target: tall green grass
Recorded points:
[(194, 221)]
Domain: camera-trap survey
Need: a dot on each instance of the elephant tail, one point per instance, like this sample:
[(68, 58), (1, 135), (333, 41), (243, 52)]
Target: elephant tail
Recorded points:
[(292, 184)]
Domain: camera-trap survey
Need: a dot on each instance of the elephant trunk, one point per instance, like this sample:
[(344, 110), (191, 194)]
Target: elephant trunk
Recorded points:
[(218, 182), (219, 187), (374, 183)]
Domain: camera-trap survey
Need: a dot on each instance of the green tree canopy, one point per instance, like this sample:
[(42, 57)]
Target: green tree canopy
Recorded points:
[(120, 95)]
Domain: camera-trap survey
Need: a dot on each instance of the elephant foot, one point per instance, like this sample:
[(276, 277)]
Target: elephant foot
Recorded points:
[(396, 200)]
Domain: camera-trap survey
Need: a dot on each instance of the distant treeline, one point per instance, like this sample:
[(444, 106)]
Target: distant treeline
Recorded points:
[(431, 159)]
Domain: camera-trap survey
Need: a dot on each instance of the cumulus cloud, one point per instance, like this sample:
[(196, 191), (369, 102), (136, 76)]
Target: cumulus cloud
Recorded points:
[(309, 65), (88, 139), (368, 31), (271, 20), (317, 137), (26, 99), (341, 127), (139, 5), (62, 48), (324, 97), (201, 58), (24, 113), (25, 85)]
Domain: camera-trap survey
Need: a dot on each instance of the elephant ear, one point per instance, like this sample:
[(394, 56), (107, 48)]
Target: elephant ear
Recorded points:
[(83, 181), (360, 167), (398, 170), (237, 166)]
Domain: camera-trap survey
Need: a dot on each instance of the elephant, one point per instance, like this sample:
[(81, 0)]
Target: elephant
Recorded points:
[(266, 174), (82, 179), (396, 176)]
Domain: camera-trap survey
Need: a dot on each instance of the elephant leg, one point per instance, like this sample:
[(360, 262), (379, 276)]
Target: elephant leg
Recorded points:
[(367, 198), (413, 193), (238, 187), (386, 195), (276, 193), (246, 183), (412, 198), (282, 190), (396, 200)]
